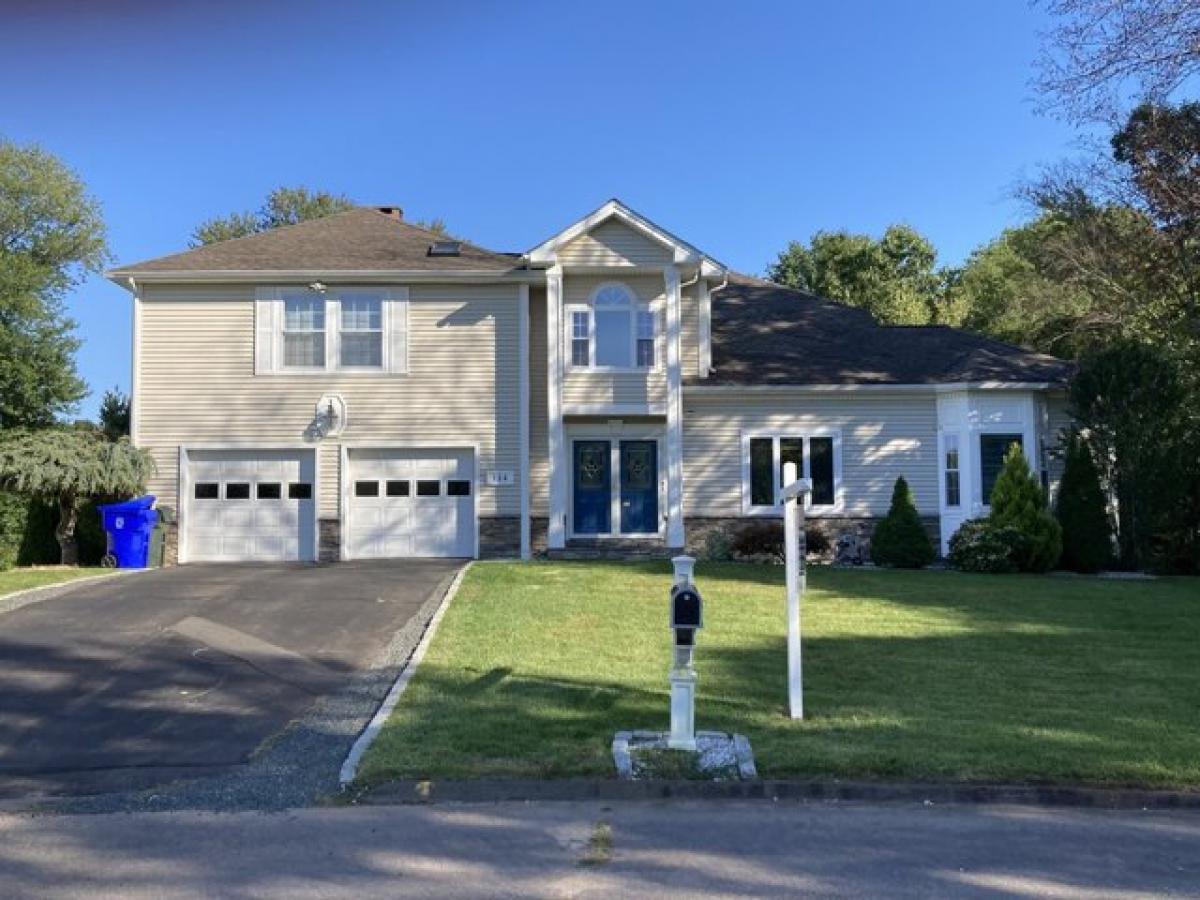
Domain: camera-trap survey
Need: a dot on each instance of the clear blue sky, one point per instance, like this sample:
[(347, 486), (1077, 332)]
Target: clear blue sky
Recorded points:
[(738, 125)]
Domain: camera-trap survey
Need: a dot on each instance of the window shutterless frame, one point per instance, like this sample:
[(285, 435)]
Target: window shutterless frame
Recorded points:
[(612, 305), (786, 445)]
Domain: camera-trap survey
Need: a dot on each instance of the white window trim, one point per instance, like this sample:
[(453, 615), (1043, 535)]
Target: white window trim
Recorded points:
[(637, 305), (838, 506), (394, 322)]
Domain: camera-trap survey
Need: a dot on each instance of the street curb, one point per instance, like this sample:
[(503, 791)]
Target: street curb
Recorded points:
[(821, 790), (363, 742), (22, 598)]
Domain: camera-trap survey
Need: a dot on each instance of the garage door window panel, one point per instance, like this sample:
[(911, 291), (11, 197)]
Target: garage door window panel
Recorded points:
[(207, 490), (269, 490), (458, 488), (429, 488), (398, 488), (366, 489), (237, 490), (299, 490)]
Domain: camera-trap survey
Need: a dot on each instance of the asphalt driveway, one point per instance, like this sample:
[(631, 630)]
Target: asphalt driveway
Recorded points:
[(136, 681)]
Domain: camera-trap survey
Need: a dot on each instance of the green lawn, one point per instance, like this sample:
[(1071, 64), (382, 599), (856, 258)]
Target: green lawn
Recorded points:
[(37, 576), (923, 675)]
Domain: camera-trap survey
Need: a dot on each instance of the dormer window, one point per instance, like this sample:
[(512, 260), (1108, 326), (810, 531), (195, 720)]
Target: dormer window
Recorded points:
[(614, 331)]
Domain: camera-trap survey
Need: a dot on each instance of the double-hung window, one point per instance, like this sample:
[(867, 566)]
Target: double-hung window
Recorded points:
[(615, 330), (330, 330), (581, 338), (361, 337), (817, 457), (303, 331)]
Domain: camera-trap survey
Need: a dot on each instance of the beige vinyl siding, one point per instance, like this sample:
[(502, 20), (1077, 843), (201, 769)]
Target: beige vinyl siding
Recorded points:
[(581, 387), (1058, 422), (197, 384), (539, 453), (883, 437), (613, 243), (689, 330)]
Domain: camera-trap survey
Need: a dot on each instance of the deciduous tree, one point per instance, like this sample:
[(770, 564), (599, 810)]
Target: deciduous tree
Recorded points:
[(51, 237), (67, 465)]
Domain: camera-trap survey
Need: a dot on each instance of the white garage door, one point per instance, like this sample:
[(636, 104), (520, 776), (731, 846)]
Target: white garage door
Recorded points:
[(411, 503), (250, 505)]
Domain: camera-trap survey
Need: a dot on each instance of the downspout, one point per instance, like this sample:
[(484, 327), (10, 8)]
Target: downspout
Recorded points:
[(700, 313)]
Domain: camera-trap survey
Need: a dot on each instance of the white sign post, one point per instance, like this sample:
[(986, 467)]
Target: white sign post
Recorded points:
[(793, 494)]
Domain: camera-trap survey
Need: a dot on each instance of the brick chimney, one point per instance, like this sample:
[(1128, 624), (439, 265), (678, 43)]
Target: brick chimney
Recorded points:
[(394, 211)]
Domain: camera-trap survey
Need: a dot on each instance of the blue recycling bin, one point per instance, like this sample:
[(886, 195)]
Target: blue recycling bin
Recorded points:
[(129, 526)]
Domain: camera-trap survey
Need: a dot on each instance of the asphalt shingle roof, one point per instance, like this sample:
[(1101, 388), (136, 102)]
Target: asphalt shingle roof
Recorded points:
[(361, 238), (763, 333)]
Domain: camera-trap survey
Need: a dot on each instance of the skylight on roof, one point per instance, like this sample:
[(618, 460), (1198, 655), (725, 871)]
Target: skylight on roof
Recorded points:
[(445, 248)]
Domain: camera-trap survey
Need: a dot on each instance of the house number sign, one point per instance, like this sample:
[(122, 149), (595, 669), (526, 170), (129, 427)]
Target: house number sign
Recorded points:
[(497, 477)]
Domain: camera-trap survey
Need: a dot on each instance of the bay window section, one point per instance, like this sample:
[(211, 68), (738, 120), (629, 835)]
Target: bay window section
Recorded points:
[(361, 335), (951, 466), (304, 332), (815, 457), (992, 450)]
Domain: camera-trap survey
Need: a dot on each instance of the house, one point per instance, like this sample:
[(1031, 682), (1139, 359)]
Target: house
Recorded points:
[(355, 387)]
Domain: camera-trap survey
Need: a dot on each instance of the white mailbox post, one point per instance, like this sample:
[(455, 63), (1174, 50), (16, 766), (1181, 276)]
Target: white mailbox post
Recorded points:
[(793, 494), (686, 619)]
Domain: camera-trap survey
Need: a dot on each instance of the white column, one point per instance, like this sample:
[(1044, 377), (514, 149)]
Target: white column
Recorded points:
[(674, 412), (523, 441), (556, 535)]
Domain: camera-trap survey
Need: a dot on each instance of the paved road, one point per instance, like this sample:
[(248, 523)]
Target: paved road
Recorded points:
[(594, 850), (131, 682)]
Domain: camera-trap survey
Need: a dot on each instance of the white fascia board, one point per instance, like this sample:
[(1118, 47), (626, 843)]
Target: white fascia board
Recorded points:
[(382, 276), (684, 253), (725, 389)]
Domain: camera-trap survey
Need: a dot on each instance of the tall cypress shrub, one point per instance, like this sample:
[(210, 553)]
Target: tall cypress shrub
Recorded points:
[(1019, 502), (1082, 512), (900, 540)]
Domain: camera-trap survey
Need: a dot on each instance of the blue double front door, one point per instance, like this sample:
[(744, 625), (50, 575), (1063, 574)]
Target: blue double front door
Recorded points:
[(634, 490)]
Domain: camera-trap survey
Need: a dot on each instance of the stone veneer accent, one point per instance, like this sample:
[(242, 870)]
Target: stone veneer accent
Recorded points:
[(833, 527), (329, 540), (499, 537)]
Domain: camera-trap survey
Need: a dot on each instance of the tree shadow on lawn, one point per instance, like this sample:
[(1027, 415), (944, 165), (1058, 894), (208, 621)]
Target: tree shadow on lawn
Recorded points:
[(969, 706), (990, 706)]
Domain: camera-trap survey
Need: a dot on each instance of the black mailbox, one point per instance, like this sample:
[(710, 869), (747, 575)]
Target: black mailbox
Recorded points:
[(687, 608)]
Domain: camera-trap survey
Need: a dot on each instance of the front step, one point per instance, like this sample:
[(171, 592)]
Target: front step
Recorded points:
[(616, 548)]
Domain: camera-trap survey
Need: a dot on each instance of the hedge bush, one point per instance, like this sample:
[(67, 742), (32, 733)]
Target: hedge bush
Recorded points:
[(27, 532), (765, 538), (900, 540), (1087, 536), (981, 545)]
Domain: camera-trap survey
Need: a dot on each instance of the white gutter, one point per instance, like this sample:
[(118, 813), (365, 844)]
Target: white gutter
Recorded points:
[(337, 276)]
